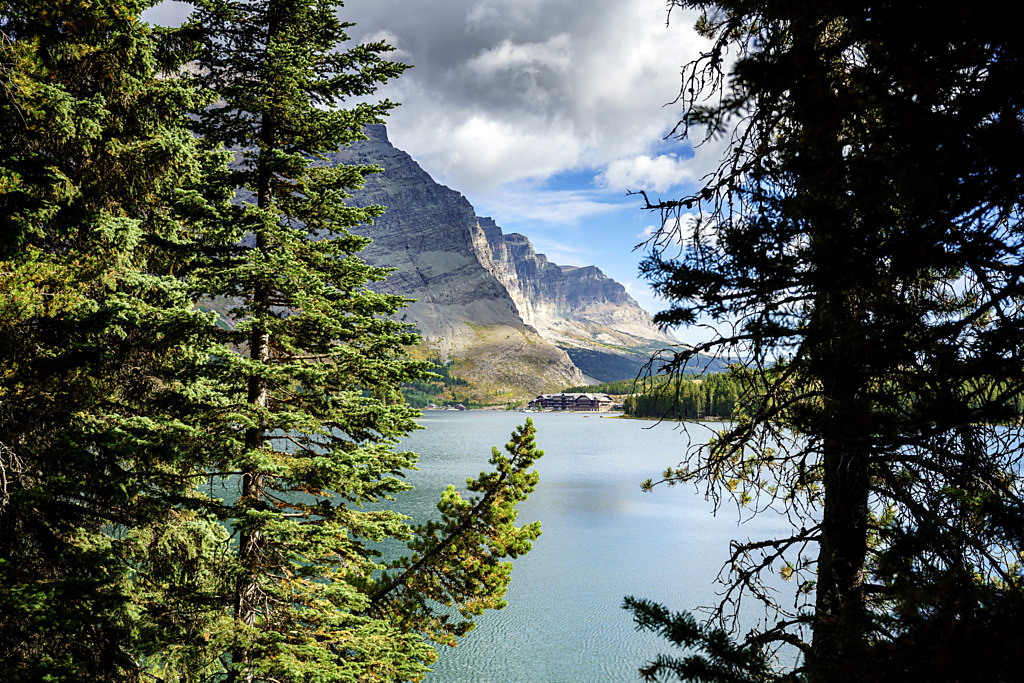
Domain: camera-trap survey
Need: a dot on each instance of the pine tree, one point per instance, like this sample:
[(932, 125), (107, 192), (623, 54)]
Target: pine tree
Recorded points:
[(97, 340), (310, 413), (122, 404), (867, 229)]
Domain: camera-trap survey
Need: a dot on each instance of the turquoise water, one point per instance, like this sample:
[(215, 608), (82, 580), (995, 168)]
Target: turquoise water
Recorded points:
[(602, 539)]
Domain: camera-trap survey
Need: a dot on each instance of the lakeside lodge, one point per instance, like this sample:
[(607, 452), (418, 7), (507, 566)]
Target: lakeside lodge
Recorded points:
[(596, 403)]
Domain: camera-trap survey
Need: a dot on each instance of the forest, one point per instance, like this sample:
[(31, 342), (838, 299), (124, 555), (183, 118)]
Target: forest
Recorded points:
[(674, 397), (729, 395), (686, 398), (439, 386)]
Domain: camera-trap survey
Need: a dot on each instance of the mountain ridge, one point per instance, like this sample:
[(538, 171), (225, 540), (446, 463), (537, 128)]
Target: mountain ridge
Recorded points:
[(508, 316)]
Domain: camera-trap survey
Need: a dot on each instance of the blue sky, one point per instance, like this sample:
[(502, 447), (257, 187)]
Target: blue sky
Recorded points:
[(544, 113)]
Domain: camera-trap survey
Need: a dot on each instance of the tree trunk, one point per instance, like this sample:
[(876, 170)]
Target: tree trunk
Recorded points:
[(837, 356), (250, 542), (840, 624), (839, 645)]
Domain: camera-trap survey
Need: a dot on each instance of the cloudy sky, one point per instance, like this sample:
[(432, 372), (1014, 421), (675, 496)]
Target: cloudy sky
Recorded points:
[(544, 113)]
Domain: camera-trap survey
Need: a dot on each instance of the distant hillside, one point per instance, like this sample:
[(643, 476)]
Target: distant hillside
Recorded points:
[(627, 364)]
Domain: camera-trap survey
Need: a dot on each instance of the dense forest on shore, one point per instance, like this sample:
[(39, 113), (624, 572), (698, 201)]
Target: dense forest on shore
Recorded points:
[(721, 396), (686, 398), (673, 397), (437, 386)]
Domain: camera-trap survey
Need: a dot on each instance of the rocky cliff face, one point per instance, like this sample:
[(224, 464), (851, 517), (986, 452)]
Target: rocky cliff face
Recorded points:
[(570, 306), (485, 298), (428, 234)]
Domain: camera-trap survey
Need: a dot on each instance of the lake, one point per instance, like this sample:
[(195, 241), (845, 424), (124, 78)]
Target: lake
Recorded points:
[(603, 539)]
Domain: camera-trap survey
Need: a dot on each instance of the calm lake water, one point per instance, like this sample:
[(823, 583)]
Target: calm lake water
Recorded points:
[(603, 539)]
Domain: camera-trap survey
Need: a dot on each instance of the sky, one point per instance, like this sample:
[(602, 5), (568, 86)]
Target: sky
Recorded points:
[(544, 114)]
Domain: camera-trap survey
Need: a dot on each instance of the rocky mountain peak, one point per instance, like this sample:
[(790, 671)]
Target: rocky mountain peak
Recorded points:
[(485, 298)]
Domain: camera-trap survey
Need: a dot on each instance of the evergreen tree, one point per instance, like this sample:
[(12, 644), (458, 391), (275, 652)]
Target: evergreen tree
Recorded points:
[(97, 341), (867, 231), (310, 413), (122, 405)]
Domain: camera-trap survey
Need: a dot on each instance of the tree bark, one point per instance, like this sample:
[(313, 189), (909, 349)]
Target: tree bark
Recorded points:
[(839, 644), (251, 541), (839, 357)]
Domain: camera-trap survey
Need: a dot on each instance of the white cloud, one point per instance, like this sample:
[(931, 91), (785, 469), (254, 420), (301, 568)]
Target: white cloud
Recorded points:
[(532, 72), (506, 91), (506, 57), (685, 230), (647, 232), (644, 172), (550, 207), (480, 153), (691, 228)]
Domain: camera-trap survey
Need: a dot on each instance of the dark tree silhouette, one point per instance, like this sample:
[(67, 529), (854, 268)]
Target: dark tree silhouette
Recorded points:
[(862, 236)]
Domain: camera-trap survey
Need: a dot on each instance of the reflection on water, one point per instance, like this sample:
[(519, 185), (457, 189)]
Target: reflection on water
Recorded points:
[(603, 539)]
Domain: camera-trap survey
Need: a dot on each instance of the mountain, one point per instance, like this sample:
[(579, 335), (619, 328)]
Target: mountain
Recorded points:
[(507, 317), (567, 305)]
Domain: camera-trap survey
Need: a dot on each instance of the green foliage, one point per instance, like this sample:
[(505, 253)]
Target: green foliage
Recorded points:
[(727, 395), (182, 492), (309, 415), (314, 394), (96, 338), (950, 622), (456, 562), (438, 386), (722, 660), (686, 398)]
